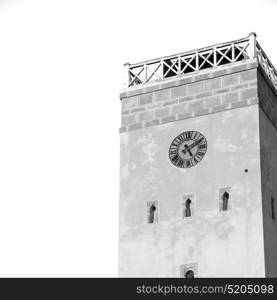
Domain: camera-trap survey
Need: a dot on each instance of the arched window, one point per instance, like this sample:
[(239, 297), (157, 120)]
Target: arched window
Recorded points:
[(188, 205), (225, 198), (152, 211), (189, 274), (189, 270), (188, 208)]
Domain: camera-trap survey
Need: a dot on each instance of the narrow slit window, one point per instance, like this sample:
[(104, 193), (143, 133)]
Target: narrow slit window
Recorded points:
[(273, 217), (188, 206), (224, 199), (152, 212)]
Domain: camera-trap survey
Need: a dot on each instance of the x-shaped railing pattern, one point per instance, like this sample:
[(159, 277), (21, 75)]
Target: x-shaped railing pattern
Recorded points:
[(209, 57), (183, 63), (267, 65)]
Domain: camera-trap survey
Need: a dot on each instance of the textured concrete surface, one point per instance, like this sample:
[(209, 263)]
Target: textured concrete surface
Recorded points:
[(235, 108), (269, 189), (219, 244)]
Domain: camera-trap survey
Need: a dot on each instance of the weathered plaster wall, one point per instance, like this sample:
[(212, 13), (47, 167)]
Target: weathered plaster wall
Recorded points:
[(268, 137), (226, 244)]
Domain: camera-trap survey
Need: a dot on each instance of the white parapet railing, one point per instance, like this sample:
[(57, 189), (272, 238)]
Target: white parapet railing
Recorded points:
[(196, 60), (266, 64)]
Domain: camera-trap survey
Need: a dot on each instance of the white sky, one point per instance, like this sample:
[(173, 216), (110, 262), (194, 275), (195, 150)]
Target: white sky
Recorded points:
[(60, 77)]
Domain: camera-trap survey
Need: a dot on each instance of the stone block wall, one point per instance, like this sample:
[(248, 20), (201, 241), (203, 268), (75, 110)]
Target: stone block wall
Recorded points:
[(218, 90)]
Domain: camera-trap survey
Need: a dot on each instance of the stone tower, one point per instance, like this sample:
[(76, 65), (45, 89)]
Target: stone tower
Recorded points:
[(198, 177)]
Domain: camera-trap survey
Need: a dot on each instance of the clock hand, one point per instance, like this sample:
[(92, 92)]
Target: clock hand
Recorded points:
[(187, 148)]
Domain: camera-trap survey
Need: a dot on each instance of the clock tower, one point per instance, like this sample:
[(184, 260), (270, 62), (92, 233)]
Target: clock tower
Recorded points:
[(198, 164)]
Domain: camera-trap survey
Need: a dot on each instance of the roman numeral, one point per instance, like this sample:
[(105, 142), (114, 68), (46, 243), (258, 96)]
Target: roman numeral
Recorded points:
[(174, 144), (201, 154), (180, 163), (175, 159), (193, 135), (180, 138), (188, 163), (195, 160), (188, 135), (172, 151), (192, 161), (198, 158), (202, 146)]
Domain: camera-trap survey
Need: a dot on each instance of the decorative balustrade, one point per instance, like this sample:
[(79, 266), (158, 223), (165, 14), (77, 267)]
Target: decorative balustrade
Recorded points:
[(200, 59), (266, 65)]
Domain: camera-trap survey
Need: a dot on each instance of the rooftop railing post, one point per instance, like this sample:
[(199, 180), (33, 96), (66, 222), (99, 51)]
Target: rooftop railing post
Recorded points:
[(126, 75), (145, 73), (252, 45), (214, 56), (197, 61), (179, 65)]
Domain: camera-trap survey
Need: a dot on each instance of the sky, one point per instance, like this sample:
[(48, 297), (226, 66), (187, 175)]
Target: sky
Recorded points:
[(61, 72)]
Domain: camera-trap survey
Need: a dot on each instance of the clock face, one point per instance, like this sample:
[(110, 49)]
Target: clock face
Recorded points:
[(187, 149)]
